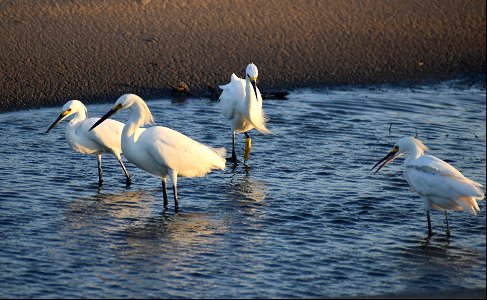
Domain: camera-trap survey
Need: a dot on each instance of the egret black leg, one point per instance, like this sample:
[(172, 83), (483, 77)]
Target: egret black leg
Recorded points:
[(164, 192), (176, 205), (129, 180), (100, 177), (234, 156), (174, 178), (430, 232), (447, 225)]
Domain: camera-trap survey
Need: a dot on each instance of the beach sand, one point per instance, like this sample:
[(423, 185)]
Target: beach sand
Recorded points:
[(53, 51)]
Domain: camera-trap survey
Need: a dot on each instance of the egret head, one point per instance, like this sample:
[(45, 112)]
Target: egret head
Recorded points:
[(71, 107), (252, 74), (132, 102), (402, 146)]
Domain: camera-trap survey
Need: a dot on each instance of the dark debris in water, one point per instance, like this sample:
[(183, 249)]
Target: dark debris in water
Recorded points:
[(182, 87), (280, 95)]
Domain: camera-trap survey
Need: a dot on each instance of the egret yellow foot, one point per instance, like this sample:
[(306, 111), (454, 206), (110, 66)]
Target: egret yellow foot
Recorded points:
[(248, 146)]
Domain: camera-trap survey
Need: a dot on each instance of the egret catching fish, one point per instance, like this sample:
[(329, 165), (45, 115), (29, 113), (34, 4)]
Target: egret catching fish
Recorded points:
[(440, 185), (162, 151), (105, 139), (241, 104)]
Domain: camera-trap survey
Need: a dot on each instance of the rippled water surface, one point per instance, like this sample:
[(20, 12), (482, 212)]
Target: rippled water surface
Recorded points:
[(307, 218)]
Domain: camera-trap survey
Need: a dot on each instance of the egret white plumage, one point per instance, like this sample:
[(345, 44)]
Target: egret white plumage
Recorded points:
[(105, 139), (162, 151), (241, 104), (440, 185)]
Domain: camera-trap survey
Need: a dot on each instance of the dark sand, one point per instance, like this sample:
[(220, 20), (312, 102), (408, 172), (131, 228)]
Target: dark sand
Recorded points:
[(93, 50)]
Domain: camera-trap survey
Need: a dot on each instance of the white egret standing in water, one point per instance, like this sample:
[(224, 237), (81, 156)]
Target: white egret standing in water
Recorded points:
[(440, 185), (241, 104), (162, 151), (104, 140)]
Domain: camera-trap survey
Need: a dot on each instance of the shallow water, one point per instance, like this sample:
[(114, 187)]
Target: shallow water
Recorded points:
[(307, 218)]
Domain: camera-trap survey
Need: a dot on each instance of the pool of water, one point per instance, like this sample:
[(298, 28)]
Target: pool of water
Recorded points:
[(305, 218)]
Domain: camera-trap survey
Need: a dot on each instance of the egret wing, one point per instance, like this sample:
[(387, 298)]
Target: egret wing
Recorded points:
[(180, 153), (429, 175), (233, 94), (107, 134), (257, 115)]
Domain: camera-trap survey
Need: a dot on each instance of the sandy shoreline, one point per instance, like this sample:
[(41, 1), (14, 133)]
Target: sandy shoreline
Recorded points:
[(95, 51)]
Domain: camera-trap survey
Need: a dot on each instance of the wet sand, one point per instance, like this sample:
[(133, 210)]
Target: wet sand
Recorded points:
[(52, 51)]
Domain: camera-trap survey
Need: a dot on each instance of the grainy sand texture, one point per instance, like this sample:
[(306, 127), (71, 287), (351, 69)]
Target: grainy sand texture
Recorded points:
[(95, 50)]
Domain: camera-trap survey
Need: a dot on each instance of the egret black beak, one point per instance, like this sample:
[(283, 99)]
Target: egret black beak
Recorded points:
[(388, 158), (63, 115), (253, 81), (106, 116)]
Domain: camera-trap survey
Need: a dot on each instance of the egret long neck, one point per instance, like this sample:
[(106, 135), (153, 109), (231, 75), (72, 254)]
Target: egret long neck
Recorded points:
[(80, 115), (414, 153), (250, 97), (138, 117), (131, 126)]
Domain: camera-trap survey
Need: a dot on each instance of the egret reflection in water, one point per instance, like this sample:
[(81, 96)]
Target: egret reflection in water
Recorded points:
[(244, 188), (135, 226), (104, 210)]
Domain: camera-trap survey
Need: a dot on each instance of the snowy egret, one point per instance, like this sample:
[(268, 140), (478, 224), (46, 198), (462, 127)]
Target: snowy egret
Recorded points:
[(440, 185), (162, 151), (241, 103), (104, 140)]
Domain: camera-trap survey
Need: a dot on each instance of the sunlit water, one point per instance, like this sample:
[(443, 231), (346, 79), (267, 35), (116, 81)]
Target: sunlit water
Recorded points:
[(307, 218)]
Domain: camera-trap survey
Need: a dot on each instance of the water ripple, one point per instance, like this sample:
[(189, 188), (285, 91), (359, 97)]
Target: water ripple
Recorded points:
[(305, 219)]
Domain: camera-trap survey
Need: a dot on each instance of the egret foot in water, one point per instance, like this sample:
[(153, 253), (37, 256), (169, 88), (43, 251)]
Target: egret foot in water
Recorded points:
[(428, 218), (248, 146), (447, 225)]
